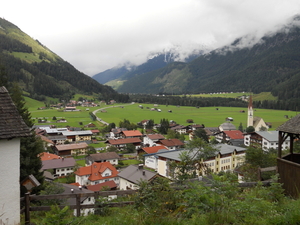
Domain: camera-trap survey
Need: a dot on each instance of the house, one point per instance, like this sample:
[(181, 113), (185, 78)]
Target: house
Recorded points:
[(227, 126), (265, 140), (74, 189), (59, 167), (48, 156), (111, 157), (116, 133), (227, 157), (71, 149), (90, 125), (77, 136), (171, 144), (152, 139), (131, 134), (121, 143), (97, 173), (132, 175), (149, 157), (180, 129), (232, 137), (95, 132), (58, 139), (53, 131), (109, 185), (12, 128), (46, 142), (196, 126)]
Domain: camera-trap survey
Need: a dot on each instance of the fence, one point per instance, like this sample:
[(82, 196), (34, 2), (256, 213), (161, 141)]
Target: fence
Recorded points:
[(29, 198), (78, 206)]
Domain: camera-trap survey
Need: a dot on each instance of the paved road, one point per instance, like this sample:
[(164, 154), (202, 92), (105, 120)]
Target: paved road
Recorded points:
[(113, 106)]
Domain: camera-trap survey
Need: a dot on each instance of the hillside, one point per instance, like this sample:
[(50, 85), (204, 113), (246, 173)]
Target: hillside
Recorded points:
[(120, 74), (270, 66), (40, 72)]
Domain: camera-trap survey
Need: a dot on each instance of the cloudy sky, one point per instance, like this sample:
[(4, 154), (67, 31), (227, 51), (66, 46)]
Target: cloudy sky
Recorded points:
[(95, 35)]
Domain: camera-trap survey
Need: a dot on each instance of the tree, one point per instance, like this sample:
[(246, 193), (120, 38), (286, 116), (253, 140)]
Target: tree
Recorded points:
[(130, 148), (30, 147), (150, 124), (112, 149), (164, 126), (250, 129), (241, 127), (192, 161), (201, 133)]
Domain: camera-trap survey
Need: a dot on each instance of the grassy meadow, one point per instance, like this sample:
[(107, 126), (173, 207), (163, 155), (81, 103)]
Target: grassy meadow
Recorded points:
[(208, 116)]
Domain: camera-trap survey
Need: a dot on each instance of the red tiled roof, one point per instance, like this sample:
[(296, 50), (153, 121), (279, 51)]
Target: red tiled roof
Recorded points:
[(234, 134), (97, 187), (132, 133), (124, 141), (46, 139), (48, 156), (95, 131), (155, 136), (96, 169), (71, 146), (153, 149), (171, 142), (75, 184)]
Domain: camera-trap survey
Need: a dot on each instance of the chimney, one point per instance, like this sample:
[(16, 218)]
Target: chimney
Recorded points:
[(80, 188), (141, 166), (72, 190), (144, 172)]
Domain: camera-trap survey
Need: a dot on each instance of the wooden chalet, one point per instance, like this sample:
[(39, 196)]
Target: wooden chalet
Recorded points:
[(289, 165)]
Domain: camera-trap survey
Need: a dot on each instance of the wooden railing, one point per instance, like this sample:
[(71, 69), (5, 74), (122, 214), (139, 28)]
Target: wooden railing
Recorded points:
[(289, 173), (78, 207)]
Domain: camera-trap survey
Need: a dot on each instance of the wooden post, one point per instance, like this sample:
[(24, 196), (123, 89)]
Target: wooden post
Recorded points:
[(27, 208), (280, 141), (77, 205)]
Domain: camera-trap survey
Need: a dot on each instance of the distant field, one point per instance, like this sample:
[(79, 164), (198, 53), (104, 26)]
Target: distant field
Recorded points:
[(256, 97), (73, 118), (208, 116)]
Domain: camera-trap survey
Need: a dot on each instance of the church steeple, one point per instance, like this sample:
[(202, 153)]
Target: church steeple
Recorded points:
[(250, 112)]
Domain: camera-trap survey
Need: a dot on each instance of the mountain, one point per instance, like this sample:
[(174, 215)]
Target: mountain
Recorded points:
[(155, 61), (40, 72), (271, 65)]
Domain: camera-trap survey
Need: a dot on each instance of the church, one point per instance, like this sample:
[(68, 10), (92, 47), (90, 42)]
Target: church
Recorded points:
[(257, 122)]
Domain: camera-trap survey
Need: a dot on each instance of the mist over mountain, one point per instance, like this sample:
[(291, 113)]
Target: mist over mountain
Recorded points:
[(155, 61), (248, 64)]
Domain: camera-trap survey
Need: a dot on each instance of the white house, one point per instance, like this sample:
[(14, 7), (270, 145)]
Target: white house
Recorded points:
[(96, 173), (111, 157), (73, 189), (12, 128), (265, 140), (132, 175), (151, 139), (60, 167), (227, 157)]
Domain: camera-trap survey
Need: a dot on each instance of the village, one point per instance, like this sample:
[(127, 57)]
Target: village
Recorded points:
[(154, 152)]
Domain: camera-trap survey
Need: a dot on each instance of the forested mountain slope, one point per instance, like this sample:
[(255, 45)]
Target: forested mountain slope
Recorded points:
[(272, 65), (40, 72)]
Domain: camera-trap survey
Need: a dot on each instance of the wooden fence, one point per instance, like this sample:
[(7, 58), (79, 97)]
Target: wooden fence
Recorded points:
[(78, 196), (78, 206)]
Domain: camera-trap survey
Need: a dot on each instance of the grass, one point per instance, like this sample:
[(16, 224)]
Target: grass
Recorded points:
[(208, 116), (130, 162)]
